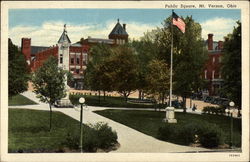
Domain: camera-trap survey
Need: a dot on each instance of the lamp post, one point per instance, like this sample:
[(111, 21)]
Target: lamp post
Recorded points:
[(81, 101), (230, 111)]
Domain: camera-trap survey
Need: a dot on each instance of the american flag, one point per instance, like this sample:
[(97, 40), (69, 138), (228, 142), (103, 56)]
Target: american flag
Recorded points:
[(179, 22)]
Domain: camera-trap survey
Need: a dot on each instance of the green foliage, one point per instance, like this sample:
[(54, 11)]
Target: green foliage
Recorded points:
[(20, 100), (17, 70), (209, 135), (166, 132), (74, 99), (189, 54), (125, 70), (112, 69), (105, 136), (149, 122), (28, 130), (157, 79), (108, 102), (231, 66), (28, 133), (145, 51), (99, 135), (49, 81), (189, 59), (98, 73)]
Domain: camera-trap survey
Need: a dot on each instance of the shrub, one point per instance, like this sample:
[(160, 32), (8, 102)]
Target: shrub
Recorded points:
[(188, 132), (72, 140), (95, 136), (167, 132), (106, 137), (211, 136), (90, 140)]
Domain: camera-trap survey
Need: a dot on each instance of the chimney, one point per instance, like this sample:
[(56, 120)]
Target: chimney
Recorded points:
[(124, 27), (210, 42), (26, 48)]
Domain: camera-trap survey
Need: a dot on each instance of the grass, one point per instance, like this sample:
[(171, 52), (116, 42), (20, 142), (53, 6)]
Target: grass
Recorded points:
[(29, 130), (148, 122), (20, 100), (108, 102)]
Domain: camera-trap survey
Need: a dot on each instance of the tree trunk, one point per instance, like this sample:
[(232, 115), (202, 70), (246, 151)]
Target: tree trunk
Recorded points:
[(190, 103), (125, 96), (104, 95), (50, 118), (99, 96), (184, 103), (140, 95), (162, 98)]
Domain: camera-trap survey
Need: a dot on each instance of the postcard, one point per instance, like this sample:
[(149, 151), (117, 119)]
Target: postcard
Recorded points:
[(125, 81)]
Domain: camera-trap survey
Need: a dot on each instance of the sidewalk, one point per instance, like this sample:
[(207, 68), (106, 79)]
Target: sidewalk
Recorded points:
[(131, 141)]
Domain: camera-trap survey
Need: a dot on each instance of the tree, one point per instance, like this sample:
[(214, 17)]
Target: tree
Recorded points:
[(124, 70), (231, 66), (18, 70), (157, 80), (145, 51), (49, 83), (189, 56), (97, 75)]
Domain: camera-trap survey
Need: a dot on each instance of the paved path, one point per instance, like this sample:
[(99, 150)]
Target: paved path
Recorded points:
[(130, 140)]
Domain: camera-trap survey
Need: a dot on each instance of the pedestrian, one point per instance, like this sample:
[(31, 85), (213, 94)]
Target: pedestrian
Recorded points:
[(194, 107)]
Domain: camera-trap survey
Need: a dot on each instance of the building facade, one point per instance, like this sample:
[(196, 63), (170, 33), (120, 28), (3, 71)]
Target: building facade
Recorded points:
[(212, 70), (71, 57)]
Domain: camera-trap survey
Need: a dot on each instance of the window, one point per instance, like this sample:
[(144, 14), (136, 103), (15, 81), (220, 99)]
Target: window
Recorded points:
[(77, 71), (205, 74), (72, 60), (77, 60), (72, 70), (61, 58), (213, 74), (84, 59)]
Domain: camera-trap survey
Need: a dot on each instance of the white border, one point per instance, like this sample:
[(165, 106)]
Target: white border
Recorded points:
[(244, 156)]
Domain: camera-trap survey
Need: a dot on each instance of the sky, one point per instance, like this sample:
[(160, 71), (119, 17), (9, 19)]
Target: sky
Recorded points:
[(45, 26)]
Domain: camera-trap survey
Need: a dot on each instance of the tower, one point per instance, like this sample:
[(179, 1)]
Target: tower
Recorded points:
[(119, 34), (210, 41), (63, 50)]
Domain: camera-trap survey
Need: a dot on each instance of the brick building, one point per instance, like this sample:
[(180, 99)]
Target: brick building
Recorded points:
[(212, 68), (71, 57)]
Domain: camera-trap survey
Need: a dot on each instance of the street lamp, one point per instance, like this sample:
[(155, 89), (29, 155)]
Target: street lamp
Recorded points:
[(81, 101), (230, 111)]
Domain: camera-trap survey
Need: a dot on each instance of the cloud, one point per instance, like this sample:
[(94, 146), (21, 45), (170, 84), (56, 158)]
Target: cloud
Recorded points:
[(218, 26), (49, 32)]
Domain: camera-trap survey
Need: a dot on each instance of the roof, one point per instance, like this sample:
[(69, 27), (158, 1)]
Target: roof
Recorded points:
[(36, 49), (118, 30), (100, 40), (76, 45), (64, 37)]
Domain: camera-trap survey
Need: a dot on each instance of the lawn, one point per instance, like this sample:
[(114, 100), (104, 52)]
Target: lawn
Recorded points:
[(148, 122), (20, 100), (29, 130), (109, 101)]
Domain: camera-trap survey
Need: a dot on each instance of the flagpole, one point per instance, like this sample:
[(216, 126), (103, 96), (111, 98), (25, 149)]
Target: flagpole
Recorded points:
[(171, 64)]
